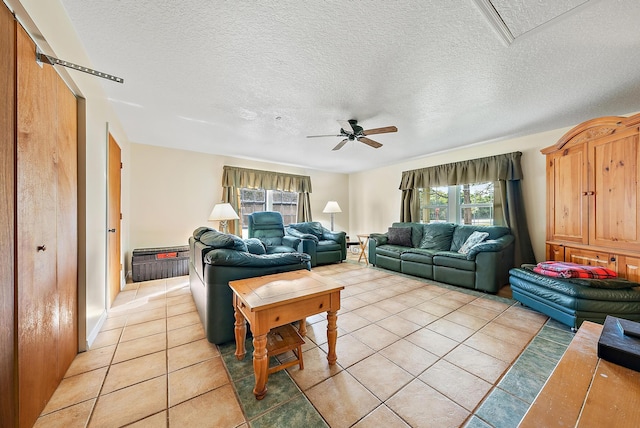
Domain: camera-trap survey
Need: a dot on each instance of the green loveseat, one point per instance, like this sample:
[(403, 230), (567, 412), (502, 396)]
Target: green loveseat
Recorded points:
[(323, 245), (431, 251)]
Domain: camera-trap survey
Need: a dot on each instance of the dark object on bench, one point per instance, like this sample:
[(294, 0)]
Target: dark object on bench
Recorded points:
[(157, 263), (572, 301), (617, 346)]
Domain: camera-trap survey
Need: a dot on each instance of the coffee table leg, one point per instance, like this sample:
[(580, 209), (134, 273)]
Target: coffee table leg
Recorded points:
[(240, 331), (303, 327), (260, 365), (332, 335)]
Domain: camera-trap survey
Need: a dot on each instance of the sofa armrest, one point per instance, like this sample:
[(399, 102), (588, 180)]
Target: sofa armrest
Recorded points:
[(492, 245), (296, 233), (339, 237), (291, 241), (375, 240), (492, 268)]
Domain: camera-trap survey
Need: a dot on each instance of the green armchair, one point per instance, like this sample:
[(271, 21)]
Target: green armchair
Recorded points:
[(268, 227), (323, 245)]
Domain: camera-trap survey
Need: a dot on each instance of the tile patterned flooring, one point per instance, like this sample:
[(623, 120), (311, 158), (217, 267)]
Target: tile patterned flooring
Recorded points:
[(411, 352)]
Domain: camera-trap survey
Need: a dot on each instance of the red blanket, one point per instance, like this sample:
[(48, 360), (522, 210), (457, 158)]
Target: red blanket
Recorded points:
[(573, 270)]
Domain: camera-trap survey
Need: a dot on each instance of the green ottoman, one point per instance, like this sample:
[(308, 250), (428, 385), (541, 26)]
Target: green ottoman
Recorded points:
[(571, 301)]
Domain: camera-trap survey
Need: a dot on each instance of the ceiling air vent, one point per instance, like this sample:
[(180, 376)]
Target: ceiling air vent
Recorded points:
[(513, 18)]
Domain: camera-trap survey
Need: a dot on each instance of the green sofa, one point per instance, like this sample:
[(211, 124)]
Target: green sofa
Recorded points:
[(431, 252), (215, 259)]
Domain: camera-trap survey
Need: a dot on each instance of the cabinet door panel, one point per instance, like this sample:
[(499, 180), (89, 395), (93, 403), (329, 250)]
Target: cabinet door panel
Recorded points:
[(614, 209), (555, 252), (567, 204), (629, 268)]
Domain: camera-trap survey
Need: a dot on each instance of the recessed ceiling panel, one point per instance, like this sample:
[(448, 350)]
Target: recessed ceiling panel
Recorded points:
[(521, 16)]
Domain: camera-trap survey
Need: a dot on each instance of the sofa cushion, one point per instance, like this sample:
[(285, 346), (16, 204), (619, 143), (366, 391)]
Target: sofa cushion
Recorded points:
[(400, 236), (418, 255), (274, 249), (453, 259), (255, 246), (217, 240), (474, 239), (437, 236), (393, 251), (326, 245)]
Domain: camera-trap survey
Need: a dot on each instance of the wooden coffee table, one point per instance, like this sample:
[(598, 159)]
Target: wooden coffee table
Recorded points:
[(274, 300)]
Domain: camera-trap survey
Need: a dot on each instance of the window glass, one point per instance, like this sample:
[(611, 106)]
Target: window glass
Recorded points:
[(463, 204), (254, 200)]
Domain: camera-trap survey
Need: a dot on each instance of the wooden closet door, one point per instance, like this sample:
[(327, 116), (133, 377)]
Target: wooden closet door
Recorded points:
[(37, 293), (614, 211), (8, 385), (67, 225)]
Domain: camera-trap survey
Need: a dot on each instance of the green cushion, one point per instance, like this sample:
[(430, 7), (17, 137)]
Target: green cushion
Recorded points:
[(219, 240), (437, 236)]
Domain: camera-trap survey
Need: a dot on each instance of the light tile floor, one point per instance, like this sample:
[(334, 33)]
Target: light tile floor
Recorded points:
[(411, 352)]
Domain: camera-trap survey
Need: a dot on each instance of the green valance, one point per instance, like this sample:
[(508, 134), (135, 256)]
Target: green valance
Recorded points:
[(504, 167), (240, 178)]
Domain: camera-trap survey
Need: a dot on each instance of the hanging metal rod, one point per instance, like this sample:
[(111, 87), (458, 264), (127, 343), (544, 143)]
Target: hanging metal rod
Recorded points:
[(44, 58)]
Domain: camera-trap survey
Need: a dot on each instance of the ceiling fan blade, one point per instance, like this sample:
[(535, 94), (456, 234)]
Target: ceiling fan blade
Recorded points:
[(346, 126), (317, 136), (340, 144), (380, 130), (370, 142)]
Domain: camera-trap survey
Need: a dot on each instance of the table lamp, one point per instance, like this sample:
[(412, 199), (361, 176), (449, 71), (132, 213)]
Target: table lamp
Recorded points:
[(223, 212), (332, 207)]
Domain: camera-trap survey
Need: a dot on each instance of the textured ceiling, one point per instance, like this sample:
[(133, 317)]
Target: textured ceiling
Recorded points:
[(254, 78)]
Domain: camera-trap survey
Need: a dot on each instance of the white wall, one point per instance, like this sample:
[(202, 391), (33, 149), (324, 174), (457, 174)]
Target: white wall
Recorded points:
[(374, 196), (172, 192)]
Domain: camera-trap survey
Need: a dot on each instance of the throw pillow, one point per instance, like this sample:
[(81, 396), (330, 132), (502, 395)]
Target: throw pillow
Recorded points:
[(400, 236), (474, 239)]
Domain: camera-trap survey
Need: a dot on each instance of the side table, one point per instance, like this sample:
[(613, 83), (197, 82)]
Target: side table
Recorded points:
[(270, 301), (363, 240)]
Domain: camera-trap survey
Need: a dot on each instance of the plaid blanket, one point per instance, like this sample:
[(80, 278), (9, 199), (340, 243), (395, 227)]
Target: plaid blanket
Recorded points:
[(573, 270)]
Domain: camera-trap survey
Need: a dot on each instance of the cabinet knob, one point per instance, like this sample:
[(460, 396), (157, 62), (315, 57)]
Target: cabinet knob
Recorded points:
[(42, 247)]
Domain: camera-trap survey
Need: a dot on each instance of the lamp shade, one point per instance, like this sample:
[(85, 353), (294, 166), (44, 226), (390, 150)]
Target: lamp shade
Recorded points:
[(223, 212), (332, 207)]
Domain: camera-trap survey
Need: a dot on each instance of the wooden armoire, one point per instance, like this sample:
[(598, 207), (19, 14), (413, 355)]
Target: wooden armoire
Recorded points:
[(38, 228), (593, 195)]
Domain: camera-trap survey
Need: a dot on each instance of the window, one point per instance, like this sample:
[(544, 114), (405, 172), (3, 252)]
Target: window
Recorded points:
[(254, 200), (463, 204)]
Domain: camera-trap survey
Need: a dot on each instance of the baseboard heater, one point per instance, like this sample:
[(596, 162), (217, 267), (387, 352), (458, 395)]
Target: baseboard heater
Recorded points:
[(158, 263)]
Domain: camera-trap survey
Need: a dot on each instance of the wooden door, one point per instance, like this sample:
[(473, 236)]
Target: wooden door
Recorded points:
[(567, 204), (8, 389), (114, 266), (37, 294), (67, 225), (614, 201)]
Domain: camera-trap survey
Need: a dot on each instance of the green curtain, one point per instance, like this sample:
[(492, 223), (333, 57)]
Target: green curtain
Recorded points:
[(504, 169), (235, 178)]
